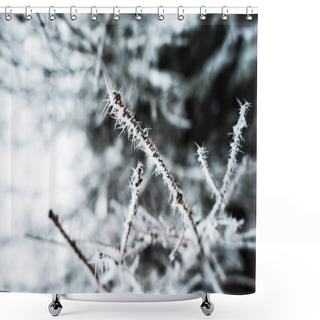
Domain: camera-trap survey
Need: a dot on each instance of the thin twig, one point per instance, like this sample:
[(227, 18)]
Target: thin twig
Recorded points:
[(136, 181), (202, 158), (220, 203), (39, 238), (234, 183), (177, 247), (154, 237), (103, 244), (55, 219), (52, 241), (235, 145)]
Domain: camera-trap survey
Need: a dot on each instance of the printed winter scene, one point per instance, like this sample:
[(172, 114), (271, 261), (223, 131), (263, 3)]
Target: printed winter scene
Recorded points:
[(128, 154)]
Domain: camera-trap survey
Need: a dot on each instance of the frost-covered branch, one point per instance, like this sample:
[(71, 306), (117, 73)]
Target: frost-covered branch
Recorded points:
[(210, 274), (235, 145), (175, 251), (153, 238), (149, 238), (202, 158), (140, 139), (232, 161), (136, 180), (238, 175)]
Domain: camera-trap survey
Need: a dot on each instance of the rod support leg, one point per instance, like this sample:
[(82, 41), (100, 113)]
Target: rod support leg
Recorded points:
[(206, 305), (55, 306)]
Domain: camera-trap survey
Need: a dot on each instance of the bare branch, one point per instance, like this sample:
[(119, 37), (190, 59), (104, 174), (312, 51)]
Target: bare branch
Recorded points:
[(39, 238), (177, 247), (55, 219)]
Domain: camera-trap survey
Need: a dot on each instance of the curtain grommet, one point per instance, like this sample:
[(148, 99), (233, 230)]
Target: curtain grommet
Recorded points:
[(203, 13), (28, 12), (116, 16), (224, 13), (7, 9), (180, 13), (73, 16), (249, 15), (51, 15), (93, 15), (138, 16), (160, 15)]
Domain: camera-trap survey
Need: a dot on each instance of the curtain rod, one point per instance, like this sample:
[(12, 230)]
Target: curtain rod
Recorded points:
[(129, 10)]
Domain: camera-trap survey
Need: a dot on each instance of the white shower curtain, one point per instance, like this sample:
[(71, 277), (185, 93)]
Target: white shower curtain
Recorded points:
[(128, 154)]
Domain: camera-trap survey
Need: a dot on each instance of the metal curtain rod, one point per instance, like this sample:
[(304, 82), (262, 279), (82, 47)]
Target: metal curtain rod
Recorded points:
[(129, 10)]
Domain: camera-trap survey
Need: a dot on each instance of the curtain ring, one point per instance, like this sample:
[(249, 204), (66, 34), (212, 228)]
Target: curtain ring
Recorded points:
[(203, 13), (138, 16), (160, 16), (52, 16), (7, 15), (224, 13), (27, 13), (73, 17), (249, 15), (116, 16), (180, 13), (93, 16)]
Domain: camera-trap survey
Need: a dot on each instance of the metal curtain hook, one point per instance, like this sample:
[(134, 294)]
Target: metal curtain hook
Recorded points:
[(116, 16), (203, 13), (93, 15), (138, 16), (73, 17), (249, 15), (160, 16), (7, 15), (27, 13), (180, 13), (224, 13), (51, 15)]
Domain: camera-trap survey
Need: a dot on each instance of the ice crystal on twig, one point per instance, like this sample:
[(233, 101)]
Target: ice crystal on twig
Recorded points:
[(235, 145), (202, 158)]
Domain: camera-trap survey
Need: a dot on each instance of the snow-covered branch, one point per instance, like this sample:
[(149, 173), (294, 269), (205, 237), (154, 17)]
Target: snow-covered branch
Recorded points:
[(202, 158), (125, 121), (235, 146), (136, 180)]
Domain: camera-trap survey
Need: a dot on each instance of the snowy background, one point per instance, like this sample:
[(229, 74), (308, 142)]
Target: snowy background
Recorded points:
[(180, 79)]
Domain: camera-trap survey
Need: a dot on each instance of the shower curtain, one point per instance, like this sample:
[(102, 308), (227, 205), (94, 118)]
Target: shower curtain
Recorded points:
[(128, 154)]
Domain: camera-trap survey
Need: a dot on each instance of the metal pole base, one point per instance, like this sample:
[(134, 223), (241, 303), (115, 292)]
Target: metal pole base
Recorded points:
[(206, 305), (55, 306)]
